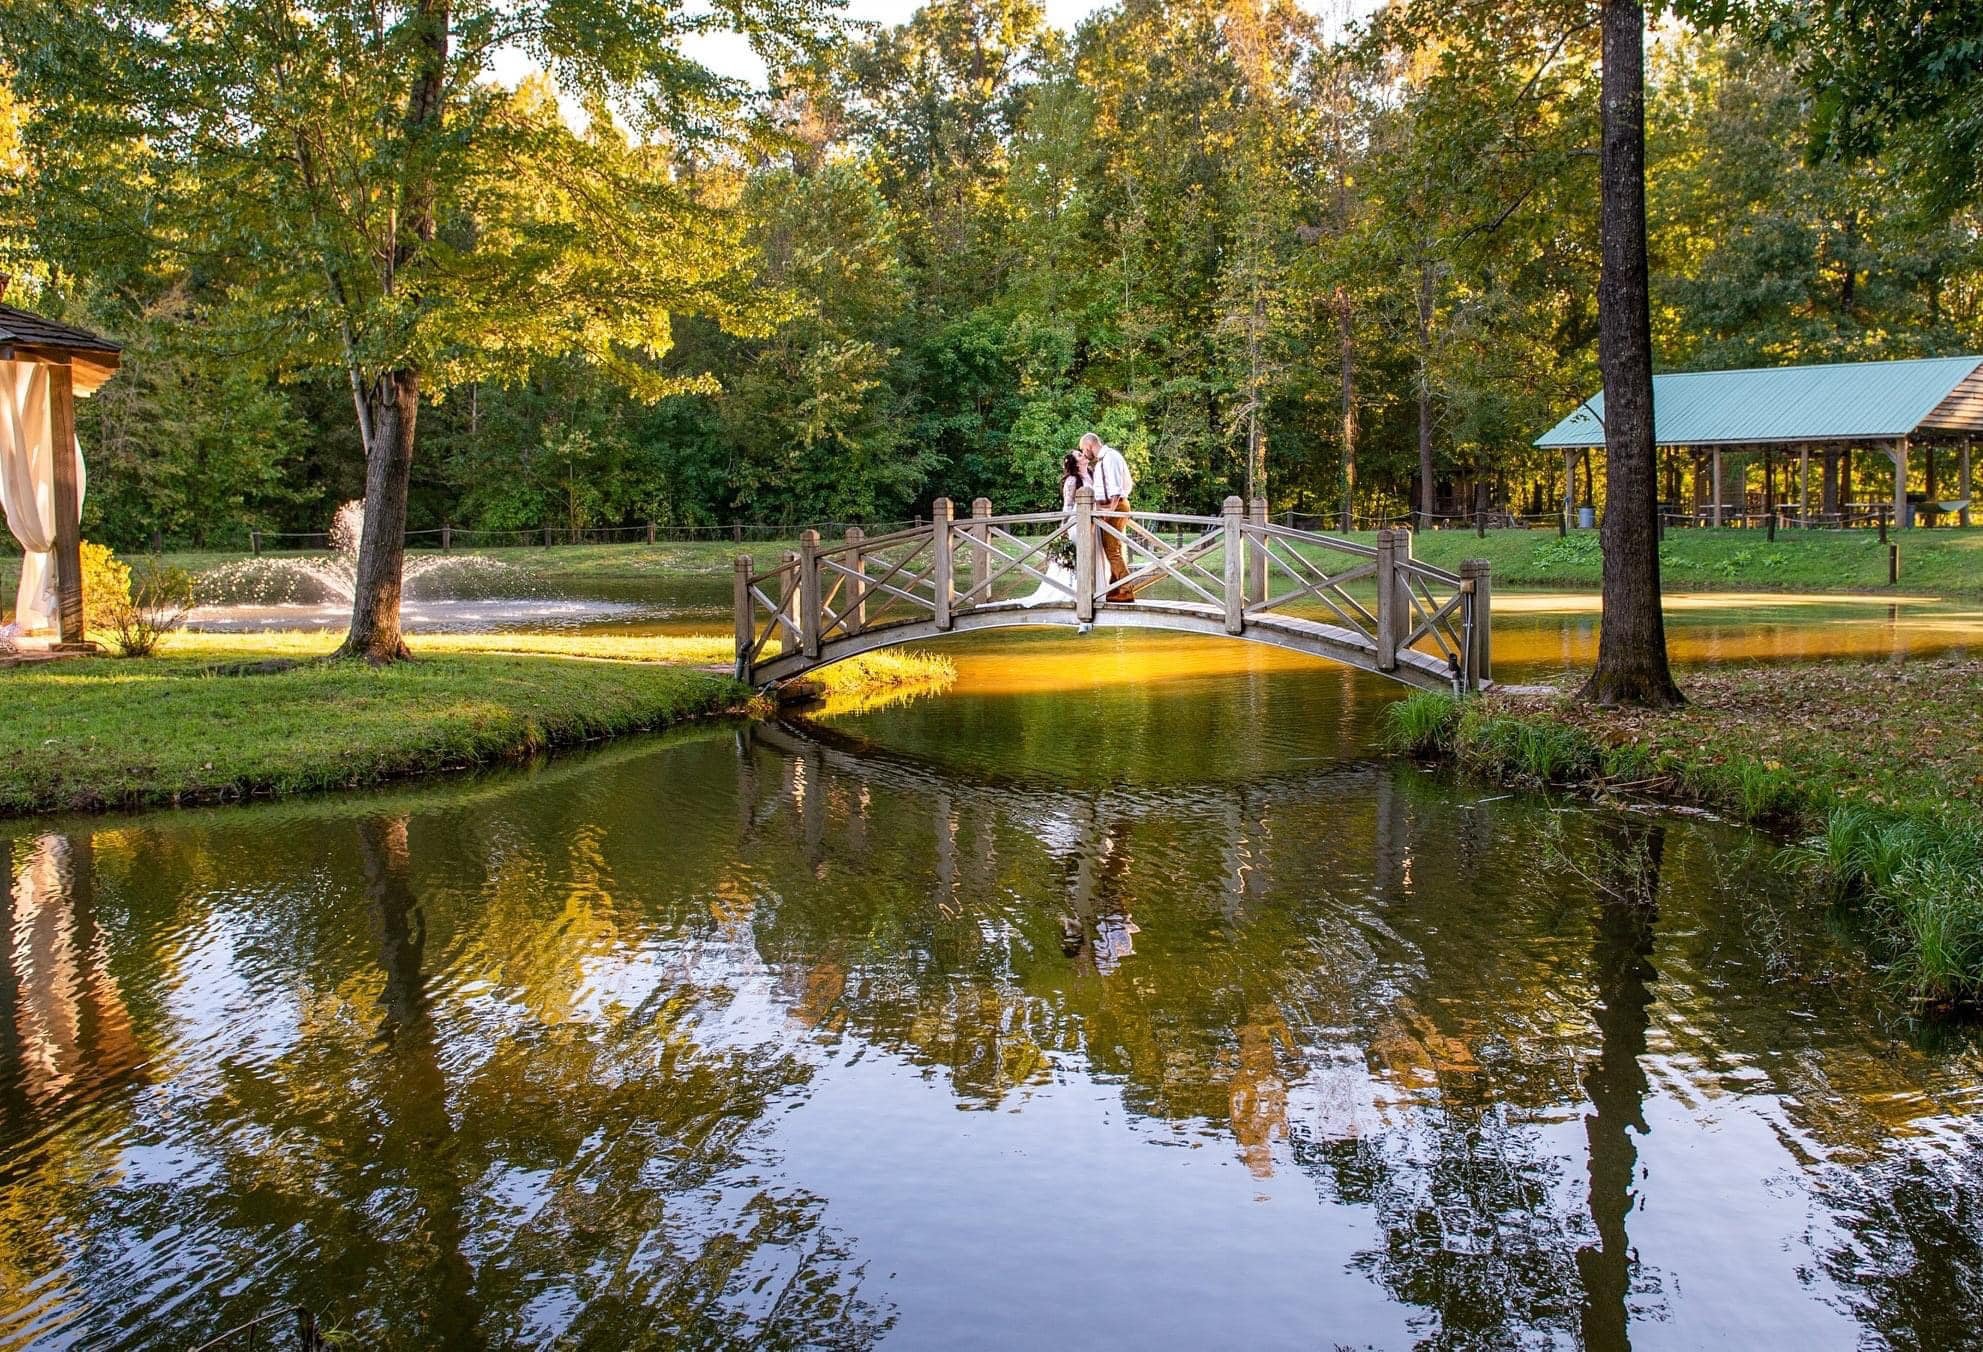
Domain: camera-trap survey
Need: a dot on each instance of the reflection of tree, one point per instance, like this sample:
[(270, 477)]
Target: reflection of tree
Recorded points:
[(404, 1130), (414, 1098), (1622, 973)]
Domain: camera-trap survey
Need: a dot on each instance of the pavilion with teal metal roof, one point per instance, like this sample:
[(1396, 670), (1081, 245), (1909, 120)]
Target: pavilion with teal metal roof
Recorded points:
[(1890, 406)]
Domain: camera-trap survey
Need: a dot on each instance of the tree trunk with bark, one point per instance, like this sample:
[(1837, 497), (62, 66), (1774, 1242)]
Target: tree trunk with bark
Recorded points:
[(394, 402), (1631, 652), (1348, 356), (1425, 485)]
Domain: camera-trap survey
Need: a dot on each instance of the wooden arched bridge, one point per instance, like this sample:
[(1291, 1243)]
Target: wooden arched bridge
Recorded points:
[(1236, 574)]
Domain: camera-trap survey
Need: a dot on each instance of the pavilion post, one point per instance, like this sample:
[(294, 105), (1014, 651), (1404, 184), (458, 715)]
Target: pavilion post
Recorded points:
[(1569, 489), (1899, 453), (1804, 484), (1716, 455), (68, 504), (1962, 518)]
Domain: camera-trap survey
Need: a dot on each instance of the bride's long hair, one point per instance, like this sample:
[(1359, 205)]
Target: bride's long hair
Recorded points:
[(1071, 465)]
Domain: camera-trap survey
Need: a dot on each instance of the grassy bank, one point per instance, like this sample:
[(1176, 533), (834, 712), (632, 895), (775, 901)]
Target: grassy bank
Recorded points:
[(218, 718), (1876, 767)]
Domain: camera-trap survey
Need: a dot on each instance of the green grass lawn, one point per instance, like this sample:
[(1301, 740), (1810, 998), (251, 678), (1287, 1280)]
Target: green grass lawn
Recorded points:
[(103, 733), (192, 726)]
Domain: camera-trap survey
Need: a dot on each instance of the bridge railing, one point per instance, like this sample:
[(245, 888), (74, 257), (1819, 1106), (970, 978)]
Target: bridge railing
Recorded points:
[(1239, 569)]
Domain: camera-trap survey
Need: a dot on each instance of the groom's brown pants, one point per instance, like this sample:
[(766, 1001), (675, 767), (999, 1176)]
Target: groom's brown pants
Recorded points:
[(1114, 512)]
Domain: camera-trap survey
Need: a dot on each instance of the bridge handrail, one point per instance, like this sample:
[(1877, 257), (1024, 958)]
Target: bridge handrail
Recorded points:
[(1309, 537), (1432, 571)]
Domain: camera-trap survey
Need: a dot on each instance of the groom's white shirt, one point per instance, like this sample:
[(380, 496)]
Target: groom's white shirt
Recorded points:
[(1112, 478)]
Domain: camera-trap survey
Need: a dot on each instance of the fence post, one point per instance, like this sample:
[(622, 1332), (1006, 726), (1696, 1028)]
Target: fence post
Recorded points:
[(809, 592), (1480, 650), (547, 535), (255, 543), (857, 587), (1233, 511), (941, 562), (650, 532), (746, 626), (447, 537), (980, 551), (1084, 554), (1387, 599), (1256, 573), (1893, 565)]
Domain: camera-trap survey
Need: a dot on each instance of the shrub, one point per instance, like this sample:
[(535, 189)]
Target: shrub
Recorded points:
[(106, 586), (1421, 723), (1920, 880), (152, 608)]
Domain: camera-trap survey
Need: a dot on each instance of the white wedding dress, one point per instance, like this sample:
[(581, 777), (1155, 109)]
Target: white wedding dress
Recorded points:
[(1047, 594)]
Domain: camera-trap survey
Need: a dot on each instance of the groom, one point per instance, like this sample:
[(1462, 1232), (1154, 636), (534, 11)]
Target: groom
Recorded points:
[(1109, 473)]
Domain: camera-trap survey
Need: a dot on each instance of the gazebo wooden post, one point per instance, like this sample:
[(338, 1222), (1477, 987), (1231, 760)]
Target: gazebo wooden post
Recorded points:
[(68, 503), (1716, 455), (1804, 484), (1569, 488), (1962, 517), (1899, 453)]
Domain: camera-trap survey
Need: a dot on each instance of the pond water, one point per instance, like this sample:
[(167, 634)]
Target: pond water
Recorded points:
[(1119, 998)]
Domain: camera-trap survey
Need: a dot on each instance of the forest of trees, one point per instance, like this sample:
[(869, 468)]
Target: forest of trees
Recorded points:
[(1260, 252)]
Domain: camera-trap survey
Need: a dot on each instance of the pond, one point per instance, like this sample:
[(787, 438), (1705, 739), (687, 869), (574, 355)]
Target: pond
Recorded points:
[(1118, 998)]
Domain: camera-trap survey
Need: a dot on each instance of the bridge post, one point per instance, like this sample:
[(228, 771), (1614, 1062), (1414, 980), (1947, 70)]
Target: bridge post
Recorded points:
[(1234, 512), (1387, 599), (857, 587), (941, 562), (1256, 573), (1084, 554), (1474, 576), (746, 627), (791, 601), (809, 618), (980, 551)]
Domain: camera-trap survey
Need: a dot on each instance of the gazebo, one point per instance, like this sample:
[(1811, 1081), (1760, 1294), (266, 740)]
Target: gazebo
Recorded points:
[(44, 368), (1893, 407)]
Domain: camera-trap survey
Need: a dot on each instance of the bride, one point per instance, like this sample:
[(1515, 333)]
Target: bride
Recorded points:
[(1058, 588)]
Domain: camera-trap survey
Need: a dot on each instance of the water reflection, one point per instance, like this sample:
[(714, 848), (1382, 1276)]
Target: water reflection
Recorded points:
[(794, 1035)]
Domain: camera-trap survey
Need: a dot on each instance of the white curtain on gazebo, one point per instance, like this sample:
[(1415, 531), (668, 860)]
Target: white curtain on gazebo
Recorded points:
[(27, 486)]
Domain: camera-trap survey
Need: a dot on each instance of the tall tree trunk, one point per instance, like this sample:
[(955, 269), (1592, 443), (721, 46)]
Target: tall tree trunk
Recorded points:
[(1348, 356), (395, 401), (1425, 486), (1631, 648), (375, 634)]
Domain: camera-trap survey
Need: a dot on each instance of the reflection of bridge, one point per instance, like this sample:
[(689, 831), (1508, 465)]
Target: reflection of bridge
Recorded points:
[(819, 763), (1236, 575)]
